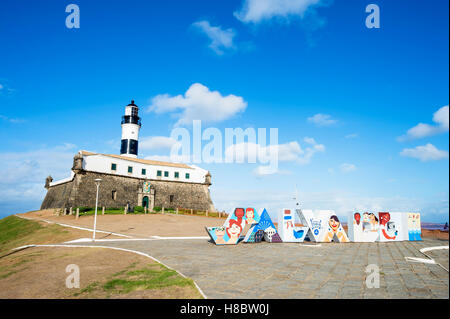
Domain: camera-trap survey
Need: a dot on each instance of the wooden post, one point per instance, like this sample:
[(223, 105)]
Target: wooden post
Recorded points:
[(206, 213), (145, 209), (103, 210), (177, 210), (219, 214), (163, 210), (192, 211), (71, 211), (125, 210), (78, 213)]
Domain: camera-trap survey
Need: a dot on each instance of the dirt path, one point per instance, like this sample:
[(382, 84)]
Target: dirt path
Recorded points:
[(140, 226)]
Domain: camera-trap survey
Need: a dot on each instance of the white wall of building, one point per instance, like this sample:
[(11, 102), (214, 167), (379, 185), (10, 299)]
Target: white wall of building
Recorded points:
[(102, 164)]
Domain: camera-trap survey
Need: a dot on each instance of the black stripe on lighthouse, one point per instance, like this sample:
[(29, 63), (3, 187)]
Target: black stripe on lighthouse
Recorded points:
[(129, 147)]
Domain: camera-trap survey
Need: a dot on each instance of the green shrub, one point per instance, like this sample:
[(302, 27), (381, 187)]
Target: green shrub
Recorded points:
[(139, 209)]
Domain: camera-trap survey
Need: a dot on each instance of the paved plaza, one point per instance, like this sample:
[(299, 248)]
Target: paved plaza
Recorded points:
[(306, 270)]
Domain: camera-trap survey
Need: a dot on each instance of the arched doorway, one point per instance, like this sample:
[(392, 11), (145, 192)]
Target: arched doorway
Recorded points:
[(145, 201)]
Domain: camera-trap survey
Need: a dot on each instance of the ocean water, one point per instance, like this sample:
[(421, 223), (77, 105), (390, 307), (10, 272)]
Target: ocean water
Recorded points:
[(433, 226)]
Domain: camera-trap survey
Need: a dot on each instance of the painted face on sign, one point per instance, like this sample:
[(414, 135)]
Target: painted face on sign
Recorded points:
[(234, 230), (250, 215), (373, 218), (384, 218), (357, 217), (220, 232), (366, 217), (334, 223), (239, 213)]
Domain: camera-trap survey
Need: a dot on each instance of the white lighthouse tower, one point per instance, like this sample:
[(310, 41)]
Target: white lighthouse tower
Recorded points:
[(131, 124)]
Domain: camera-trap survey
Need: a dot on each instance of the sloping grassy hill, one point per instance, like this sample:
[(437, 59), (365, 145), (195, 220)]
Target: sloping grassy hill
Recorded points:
[(40, 272), (16, 232)]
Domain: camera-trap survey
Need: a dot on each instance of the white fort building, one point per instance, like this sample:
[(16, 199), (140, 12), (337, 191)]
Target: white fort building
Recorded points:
[(128, 180)]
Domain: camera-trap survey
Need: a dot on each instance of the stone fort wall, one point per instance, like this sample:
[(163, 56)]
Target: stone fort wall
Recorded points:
[(81, 191)]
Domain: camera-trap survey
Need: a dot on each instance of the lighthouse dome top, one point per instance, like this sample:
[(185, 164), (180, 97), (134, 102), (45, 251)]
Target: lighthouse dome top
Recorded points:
[(132, 103)]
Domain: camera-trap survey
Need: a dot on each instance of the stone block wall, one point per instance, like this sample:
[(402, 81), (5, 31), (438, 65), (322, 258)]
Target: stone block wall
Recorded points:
[(185, 195), (57, 196), (82, 192)]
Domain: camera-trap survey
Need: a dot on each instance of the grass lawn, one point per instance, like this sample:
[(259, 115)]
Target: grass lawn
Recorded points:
[(16, 232), (105, 273)]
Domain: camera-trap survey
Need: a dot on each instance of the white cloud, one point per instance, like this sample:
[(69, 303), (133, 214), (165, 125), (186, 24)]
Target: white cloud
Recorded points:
[(310, 140), (425, 153), (347, 167), (288, 152), (199, 103), (440, 117), (322, 120), (23, 173), (221, 40), (5, 89), (261, 171), (350, 136), (12, 120), (156, 143), (255, 11)]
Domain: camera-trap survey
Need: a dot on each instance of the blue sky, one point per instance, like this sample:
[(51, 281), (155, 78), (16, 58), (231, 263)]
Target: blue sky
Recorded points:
[(310, 68)]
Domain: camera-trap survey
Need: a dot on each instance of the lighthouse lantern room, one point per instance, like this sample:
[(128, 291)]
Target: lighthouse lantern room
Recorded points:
[(131, 124)]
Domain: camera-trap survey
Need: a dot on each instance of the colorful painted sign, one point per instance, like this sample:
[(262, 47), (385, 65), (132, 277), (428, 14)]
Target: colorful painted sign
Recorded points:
[(370, 227), (319, 226), (384, 227), (264, 228), (230, 232), (391, 227), (363, 227), (414, 227), (290, 233), (335, 232), (316, 221), (324, 226)]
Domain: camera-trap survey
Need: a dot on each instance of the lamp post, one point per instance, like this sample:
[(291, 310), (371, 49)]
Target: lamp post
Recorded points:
[(97, 183)]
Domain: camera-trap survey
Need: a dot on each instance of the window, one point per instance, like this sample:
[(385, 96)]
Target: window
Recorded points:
[(177, 175), (114, 195), (123, 146), (166, 174), (130, 169), (159, 173), (113, 167), (133, 147), (187, 175), (144, 171), (171, 198)]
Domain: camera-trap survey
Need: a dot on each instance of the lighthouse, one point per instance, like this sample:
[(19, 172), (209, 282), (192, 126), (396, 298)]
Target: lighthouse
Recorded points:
[(131, 124)]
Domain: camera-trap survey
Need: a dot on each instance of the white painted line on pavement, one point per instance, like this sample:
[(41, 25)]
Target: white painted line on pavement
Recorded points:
[(423, 250), (197, 237), (420, 260), (430, 260)]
